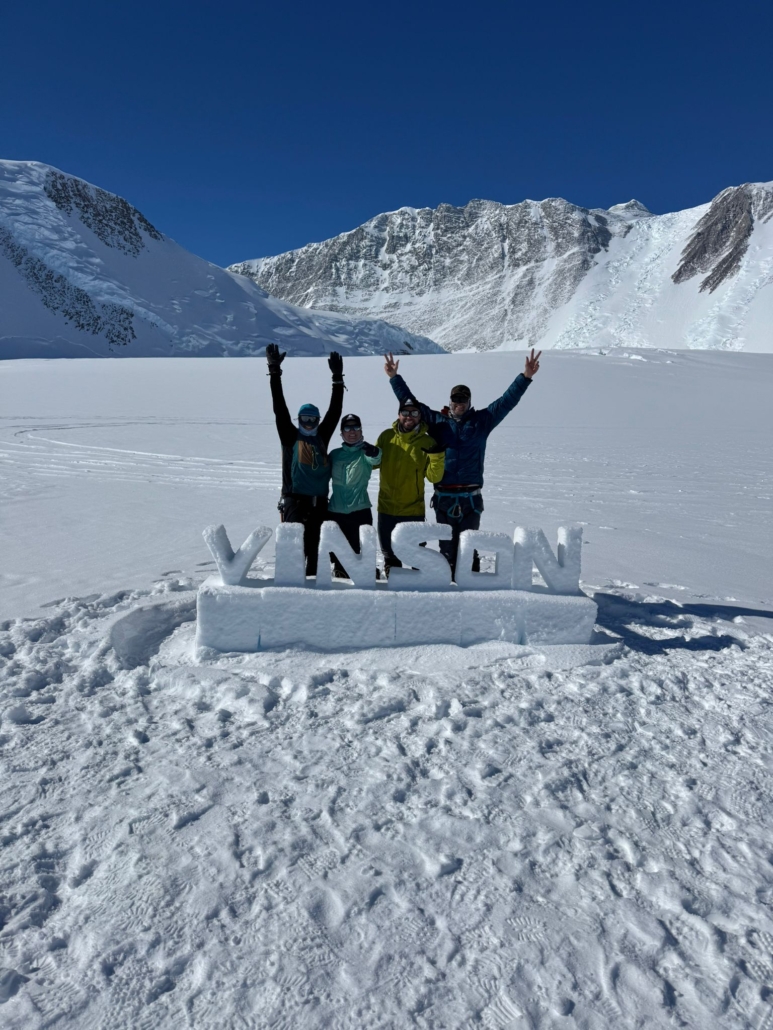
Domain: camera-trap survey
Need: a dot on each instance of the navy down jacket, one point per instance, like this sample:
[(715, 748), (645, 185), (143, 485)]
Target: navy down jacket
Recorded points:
[(465, 439)]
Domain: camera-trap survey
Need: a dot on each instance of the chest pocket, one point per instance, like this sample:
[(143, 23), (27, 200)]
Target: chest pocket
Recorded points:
[(309, 454)]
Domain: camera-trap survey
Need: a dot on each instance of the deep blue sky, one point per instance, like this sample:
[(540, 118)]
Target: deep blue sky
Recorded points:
[(243, 129)]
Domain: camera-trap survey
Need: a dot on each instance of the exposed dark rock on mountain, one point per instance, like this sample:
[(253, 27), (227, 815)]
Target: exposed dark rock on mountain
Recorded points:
[(63, 298), (83, 273), (721, 237), (112, 219), (486, 255), (546, 274)]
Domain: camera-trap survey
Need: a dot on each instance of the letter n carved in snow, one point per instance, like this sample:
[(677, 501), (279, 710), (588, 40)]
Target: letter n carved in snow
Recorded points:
[(561, 572)]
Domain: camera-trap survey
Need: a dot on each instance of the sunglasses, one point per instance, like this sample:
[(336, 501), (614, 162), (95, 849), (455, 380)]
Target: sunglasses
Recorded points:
[(353, 427), (460, 398), (411, 413), (309, 421)]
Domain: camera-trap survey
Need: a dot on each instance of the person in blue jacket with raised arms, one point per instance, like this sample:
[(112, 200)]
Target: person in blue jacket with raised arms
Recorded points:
[(463, 432)]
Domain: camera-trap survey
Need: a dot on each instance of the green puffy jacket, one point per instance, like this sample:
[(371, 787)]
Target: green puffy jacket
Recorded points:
[(406, 459), (351, 472)]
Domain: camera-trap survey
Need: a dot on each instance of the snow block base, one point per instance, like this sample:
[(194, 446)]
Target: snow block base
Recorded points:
[(257, 616)]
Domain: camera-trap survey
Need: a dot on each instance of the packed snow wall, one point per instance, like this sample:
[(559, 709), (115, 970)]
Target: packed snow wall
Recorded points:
[(418, 604)]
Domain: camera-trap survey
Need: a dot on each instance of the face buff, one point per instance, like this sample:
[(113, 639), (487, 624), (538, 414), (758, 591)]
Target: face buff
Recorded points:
[(308, 419)]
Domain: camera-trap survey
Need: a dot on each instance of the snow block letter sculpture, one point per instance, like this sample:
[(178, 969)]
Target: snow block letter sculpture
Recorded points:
[(417, 605), (426, 570), (561, 573), (473, 540), (233, 568), (361, 568)]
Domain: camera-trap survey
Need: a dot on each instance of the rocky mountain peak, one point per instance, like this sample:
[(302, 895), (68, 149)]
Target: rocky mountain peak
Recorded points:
[(721, 237), (84, 273), (632, 209), (542, 273)]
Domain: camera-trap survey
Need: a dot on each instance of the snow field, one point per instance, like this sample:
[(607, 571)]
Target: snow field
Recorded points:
[(431, 836), (499, 835), (111, 469)]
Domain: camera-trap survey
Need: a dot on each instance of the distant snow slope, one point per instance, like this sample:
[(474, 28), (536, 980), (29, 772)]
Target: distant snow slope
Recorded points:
[(550, 274), (84, 274)]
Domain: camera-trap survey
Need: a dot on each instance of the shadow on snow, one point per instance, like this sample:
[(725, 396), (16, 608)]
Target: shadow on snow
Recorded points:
[(621, 616)]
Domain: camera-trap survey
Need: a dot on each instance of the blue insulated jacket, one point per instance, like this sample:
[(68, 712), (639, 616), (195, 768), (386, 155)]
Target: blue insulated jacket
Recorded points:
[(465, 439)]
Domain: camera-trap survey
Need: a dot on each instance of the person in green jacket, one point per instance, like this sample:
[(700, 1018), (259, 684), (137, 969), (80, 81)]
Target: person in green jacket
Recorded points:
[(408, 456), (352, 464)]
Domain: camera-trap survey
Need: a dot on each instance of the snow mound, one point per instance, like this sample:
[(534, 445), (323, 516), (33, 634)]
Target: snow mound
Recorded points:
[(84, 274)]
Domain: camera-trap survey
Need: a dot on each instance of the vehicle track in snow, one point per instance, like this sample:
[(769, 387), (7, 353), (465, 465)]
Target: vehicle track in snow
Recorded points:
[(44, 451)]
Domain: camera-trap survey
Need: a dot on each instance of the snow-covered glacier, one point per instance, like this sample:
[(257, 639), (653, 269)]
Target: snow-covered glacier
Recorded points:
[(85, 274), (491, 276)]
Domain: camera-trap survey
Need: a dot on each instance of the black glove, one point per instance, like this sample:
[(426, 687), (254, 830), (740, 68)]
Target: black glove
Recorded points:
[(274, 359), (369, 450), (336, 363)]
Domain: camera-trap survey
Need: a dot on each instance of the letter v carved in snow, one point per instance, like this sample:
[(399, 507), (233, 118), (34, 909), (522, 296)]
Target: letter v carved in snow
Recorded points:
[(234, 567)]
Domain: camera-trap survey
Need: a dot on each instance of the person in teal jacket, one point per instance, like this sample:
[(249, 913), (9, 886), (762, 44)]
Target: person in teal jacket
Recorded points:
[(352, 464)]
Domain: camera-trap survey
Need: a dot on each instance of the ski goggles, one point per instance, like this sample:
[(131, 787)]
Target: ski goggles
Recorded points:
[(410, 412), (309, 421)]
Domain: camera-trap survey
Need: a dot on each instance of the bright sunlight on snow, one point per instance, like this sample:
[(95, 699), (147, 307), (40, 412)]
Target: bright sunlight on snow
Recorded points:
[(436, 836)]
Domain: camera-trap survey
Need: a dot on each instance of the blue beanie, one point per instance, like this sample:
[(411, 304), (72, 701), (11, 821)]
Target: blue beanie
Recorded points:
[(309, 409)]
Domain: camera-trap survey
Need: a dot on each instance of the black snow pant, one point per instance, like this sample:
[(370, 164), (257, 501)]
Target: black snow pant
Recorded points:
[(312, 512), (386, 523), (459, 511), (350, 523)]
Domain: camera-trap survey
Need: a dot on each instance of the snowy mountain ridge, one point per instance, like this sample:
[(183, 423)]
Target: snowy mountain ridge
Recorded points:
[(491, 276), (85, 274)]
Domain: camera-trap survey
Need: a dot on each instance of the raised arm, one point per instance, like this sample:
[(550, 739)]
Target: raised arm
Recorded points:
[(332, 417), (401, 391), (284, 424), (501, 407)]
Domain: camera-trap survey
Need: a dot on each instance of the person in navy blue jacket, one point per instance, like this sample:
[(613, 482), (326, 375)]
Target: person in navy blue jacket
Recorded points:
[(463, 432)]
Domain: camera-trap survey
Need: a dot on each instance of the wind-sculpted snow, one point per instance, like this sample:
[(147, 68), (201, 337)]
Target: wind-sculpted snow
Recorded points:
[(84, 274), (549, 274)]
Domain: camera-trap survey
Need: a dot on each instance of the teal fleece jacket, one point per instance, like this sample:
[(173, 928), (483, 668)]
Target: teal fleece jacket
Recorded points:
[(351, 472)]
